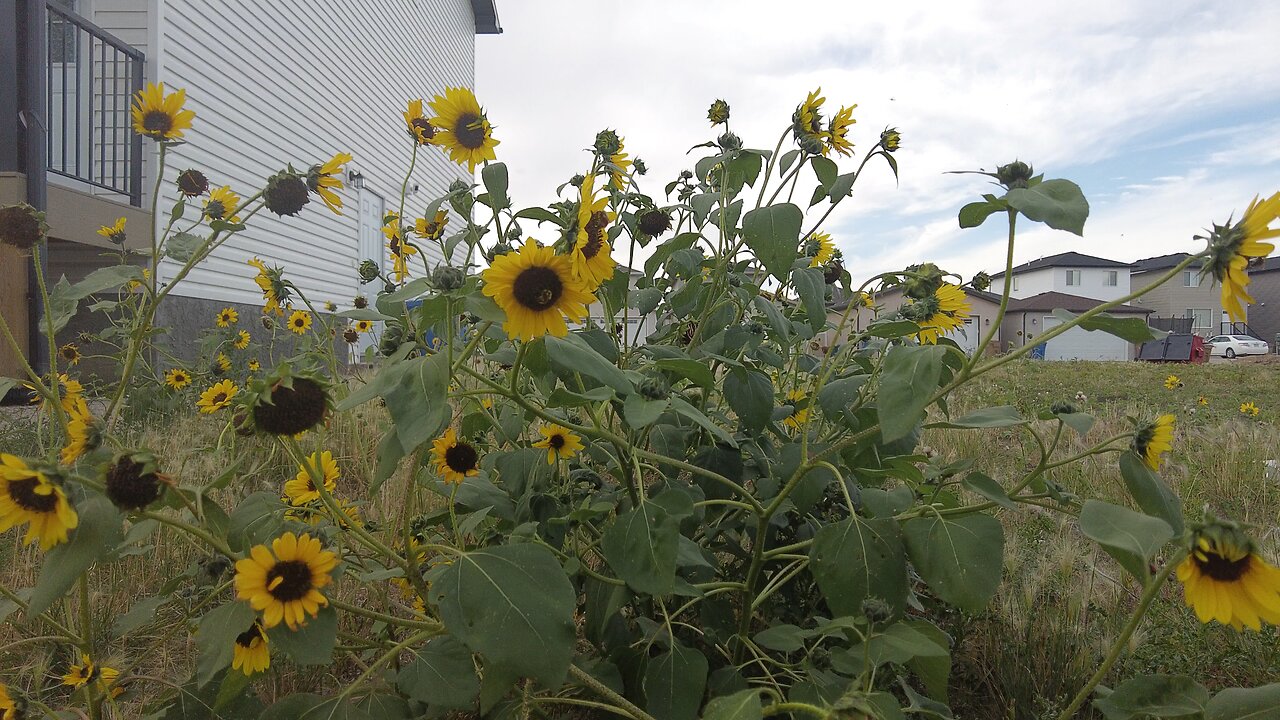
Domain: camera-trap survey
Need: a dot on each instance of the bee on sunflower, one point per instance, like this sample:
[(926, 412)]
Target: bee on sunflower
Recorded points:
[(177, 378), (160, 116), (455, 459), (251, 653), (284, 583), (945, 311), (799, 400), (300, 322), (463, 128), (592, 260), (1173, 382), (114, 233), (217, 397), (537, 290), (302, 488), (1225, 579), (1233, 248), (27, 496), (1153, 440), (326, 177), (560, 443)]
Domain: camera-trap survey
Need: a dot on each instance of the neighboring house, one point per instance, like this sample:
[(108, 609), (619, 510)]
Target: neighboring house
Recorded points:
[(638, 329), (272, 84), (1069, 273), (1264, 314), (984, 308), (1027, 318), (1183, 296)]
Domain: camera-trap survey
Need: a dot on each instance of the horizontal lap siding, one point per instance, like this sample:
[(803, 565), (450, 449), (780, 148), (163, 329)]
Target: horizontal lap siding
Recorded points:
[(295, 82)]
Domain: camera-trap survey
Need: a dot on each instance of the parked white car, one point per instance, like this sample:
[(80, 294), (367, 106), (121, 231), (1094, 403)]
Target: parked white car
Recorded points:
[(1229, 346)]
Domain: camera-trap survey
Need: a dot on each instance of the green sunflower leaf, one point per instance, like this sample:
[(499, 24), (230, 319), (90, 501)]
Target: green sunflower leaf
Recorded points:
[(674, 682), (442, 676), (1057, 203), (98, 531), (494, 176), (641, 547), (310, 644), (1150, 491), (860, 558), (910, 376), (961, 559), (1154, 696), (1132, 538), (1258, 703), (773, 234), (743, 705), (216, 638)]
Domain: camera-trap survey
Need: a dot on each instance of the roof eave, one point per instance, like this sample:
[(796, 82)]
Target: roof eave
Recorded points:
[(486, 14)]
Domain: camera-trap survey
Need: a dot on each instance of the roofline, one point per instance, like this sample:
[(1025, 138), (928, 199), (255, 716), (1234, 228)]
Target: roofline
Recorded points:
[(1023, 266), (486, 14)]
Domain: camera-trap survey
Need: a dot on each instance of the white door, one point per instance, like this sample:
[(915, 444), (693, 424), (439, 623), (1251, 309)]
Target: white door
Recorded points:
[(1080, 344), (966, 336), (370, 246)]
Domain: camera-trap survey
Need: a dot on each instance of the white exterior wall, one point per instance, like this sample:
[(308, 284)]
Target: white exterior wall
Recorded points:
[(274, 83), (1054, 279)]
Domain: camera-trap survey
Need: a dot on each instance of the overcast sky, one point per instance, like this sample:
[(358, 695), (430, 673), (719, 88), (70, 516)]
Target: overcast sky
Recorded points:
[(1166, 113)]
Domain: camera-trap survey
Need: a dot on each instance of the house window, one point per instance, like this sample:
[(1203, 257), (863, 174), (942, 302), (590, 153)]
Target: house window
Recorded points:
[(1201, 320), (1073, 277), (1111, 278), (1191, 278), (1015, 282)]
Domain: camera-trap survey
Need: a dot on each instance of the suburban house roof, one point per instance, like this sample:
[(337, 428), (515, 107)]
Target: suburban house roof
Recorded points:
[(843, 303), (1160, 262), (486, 12), (1270, 264), (1067, 259), (1049, 301)]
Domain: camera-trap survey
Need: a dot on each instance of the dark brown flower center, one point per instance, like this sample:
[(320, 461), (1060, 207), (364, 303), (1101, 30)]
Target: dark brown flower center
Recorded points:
[(246, 638), (537, 288), (556, 441), (461, 458), (595, 234), (220, 397), (423, 129), (157, 122), (469, 130), (1221, 569), (295, 580), (130, 486), (24, 494), (70, 353)]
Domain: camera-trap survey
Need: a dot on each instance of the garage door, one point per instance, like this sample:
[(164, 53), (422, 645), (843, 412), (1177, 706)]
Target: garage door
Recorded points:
[(1079, 344), (967, 336)]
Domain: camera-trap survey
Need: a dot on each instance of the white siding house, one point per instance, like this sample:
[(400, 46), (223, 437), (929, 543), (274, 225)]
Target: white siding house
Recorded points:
[(1070, 274)]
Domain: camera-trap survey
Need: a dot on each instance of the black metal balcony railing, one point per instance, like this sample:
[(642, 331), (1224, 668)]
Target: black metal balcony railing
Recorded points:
[(91, 78)]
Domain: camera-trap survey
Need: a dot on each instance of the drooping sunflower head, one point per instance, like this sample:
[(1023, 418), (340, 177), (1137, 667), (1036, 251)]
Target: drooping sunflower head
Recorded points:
[(838, 131), (222, 204), (1225, 579), (560, 443), (420, 128), (806, 124), (134, 481), (284, 583), (718, 113), (1153, 439), (115, 232), (70, 354), (22, 226), (275, 291), (654, 222), (251, 653), (217, 397), (455, 459), (820, 249), (192, 183), (432, 229), (302, 488), (27, 496), (799, 401), (177, 378), (160, 116), (537, 290), (945, 311), (325, 178), (286, 193), (890, 139), (83, 432), (592, 255), (1234, 247), (221, 364), (464, 129), (300, 322), (834, 268), (287, 402), (243, 338)]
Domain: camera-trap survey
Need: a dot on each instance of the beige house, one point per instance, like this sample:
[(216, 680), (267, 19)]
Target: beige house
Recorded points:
[(984, 308), (1184, 297), (1027, 318)]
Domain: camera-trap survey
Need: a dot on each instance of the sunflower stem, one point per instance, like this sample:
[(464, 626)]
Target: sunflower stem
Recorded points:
[(603, 690)]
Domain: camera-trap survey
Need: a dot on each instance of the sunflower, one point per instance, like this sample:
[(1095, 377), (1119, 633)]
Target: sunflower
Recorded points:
[(275, 294), (1173, 382), (227, 317), (90, 672), (1153, 440), (1202, 400), (537, 290), (254, 366), (464, 130), (592, 262), (806, 124), (620, 167), (27, 496), (1223, 579), (70, 353), (222, 362), (222, 204), (455, 459), (1249, 409), (951, 307), (300, 322), (251, 653), (839, 129), (399, 247), (82, 433), (324, 179), (114, 233), (363, 326), (284, 583), (432, 229), (160, 116), (69, 389), (820, 249), (242, 340), (1232, 248), (177, 378), (8, 708), (217, 397), (302, 488), (798, 400), (418, 124), (561, 444)]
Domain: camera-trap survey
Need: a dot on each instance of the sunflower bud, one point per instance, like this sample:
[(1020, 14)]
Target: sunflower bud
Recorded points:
[(586, 477), (392, 336), (268, 323), (686, 174), (890, 139), (831, 271), (192, 183), (499, 249), (369, 271), (654, 222), (1015, 174), (133, 481), (639, 167), (810, 144), (1062, 407), (285, 194), (876, 610), (447, 278), (729, 141), (718, 113), (577, 180), (22, 226), (287, 404), (925, 282), (608, 143), (981, 281), (654, 387)]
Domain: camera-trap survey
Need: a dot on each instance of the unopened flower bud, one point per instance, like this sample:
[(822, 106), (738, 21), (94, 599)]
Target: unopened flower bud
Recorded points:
[(876, 610), (608, 143), (369, 271), (981, 281), (729, 141), (718, 113), (446, 278), (1015, 174)]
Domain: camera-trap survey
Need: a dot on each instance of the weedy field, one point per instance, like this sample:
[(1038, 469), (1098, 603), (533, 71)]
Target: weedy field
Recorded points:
[(1061, 604)]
